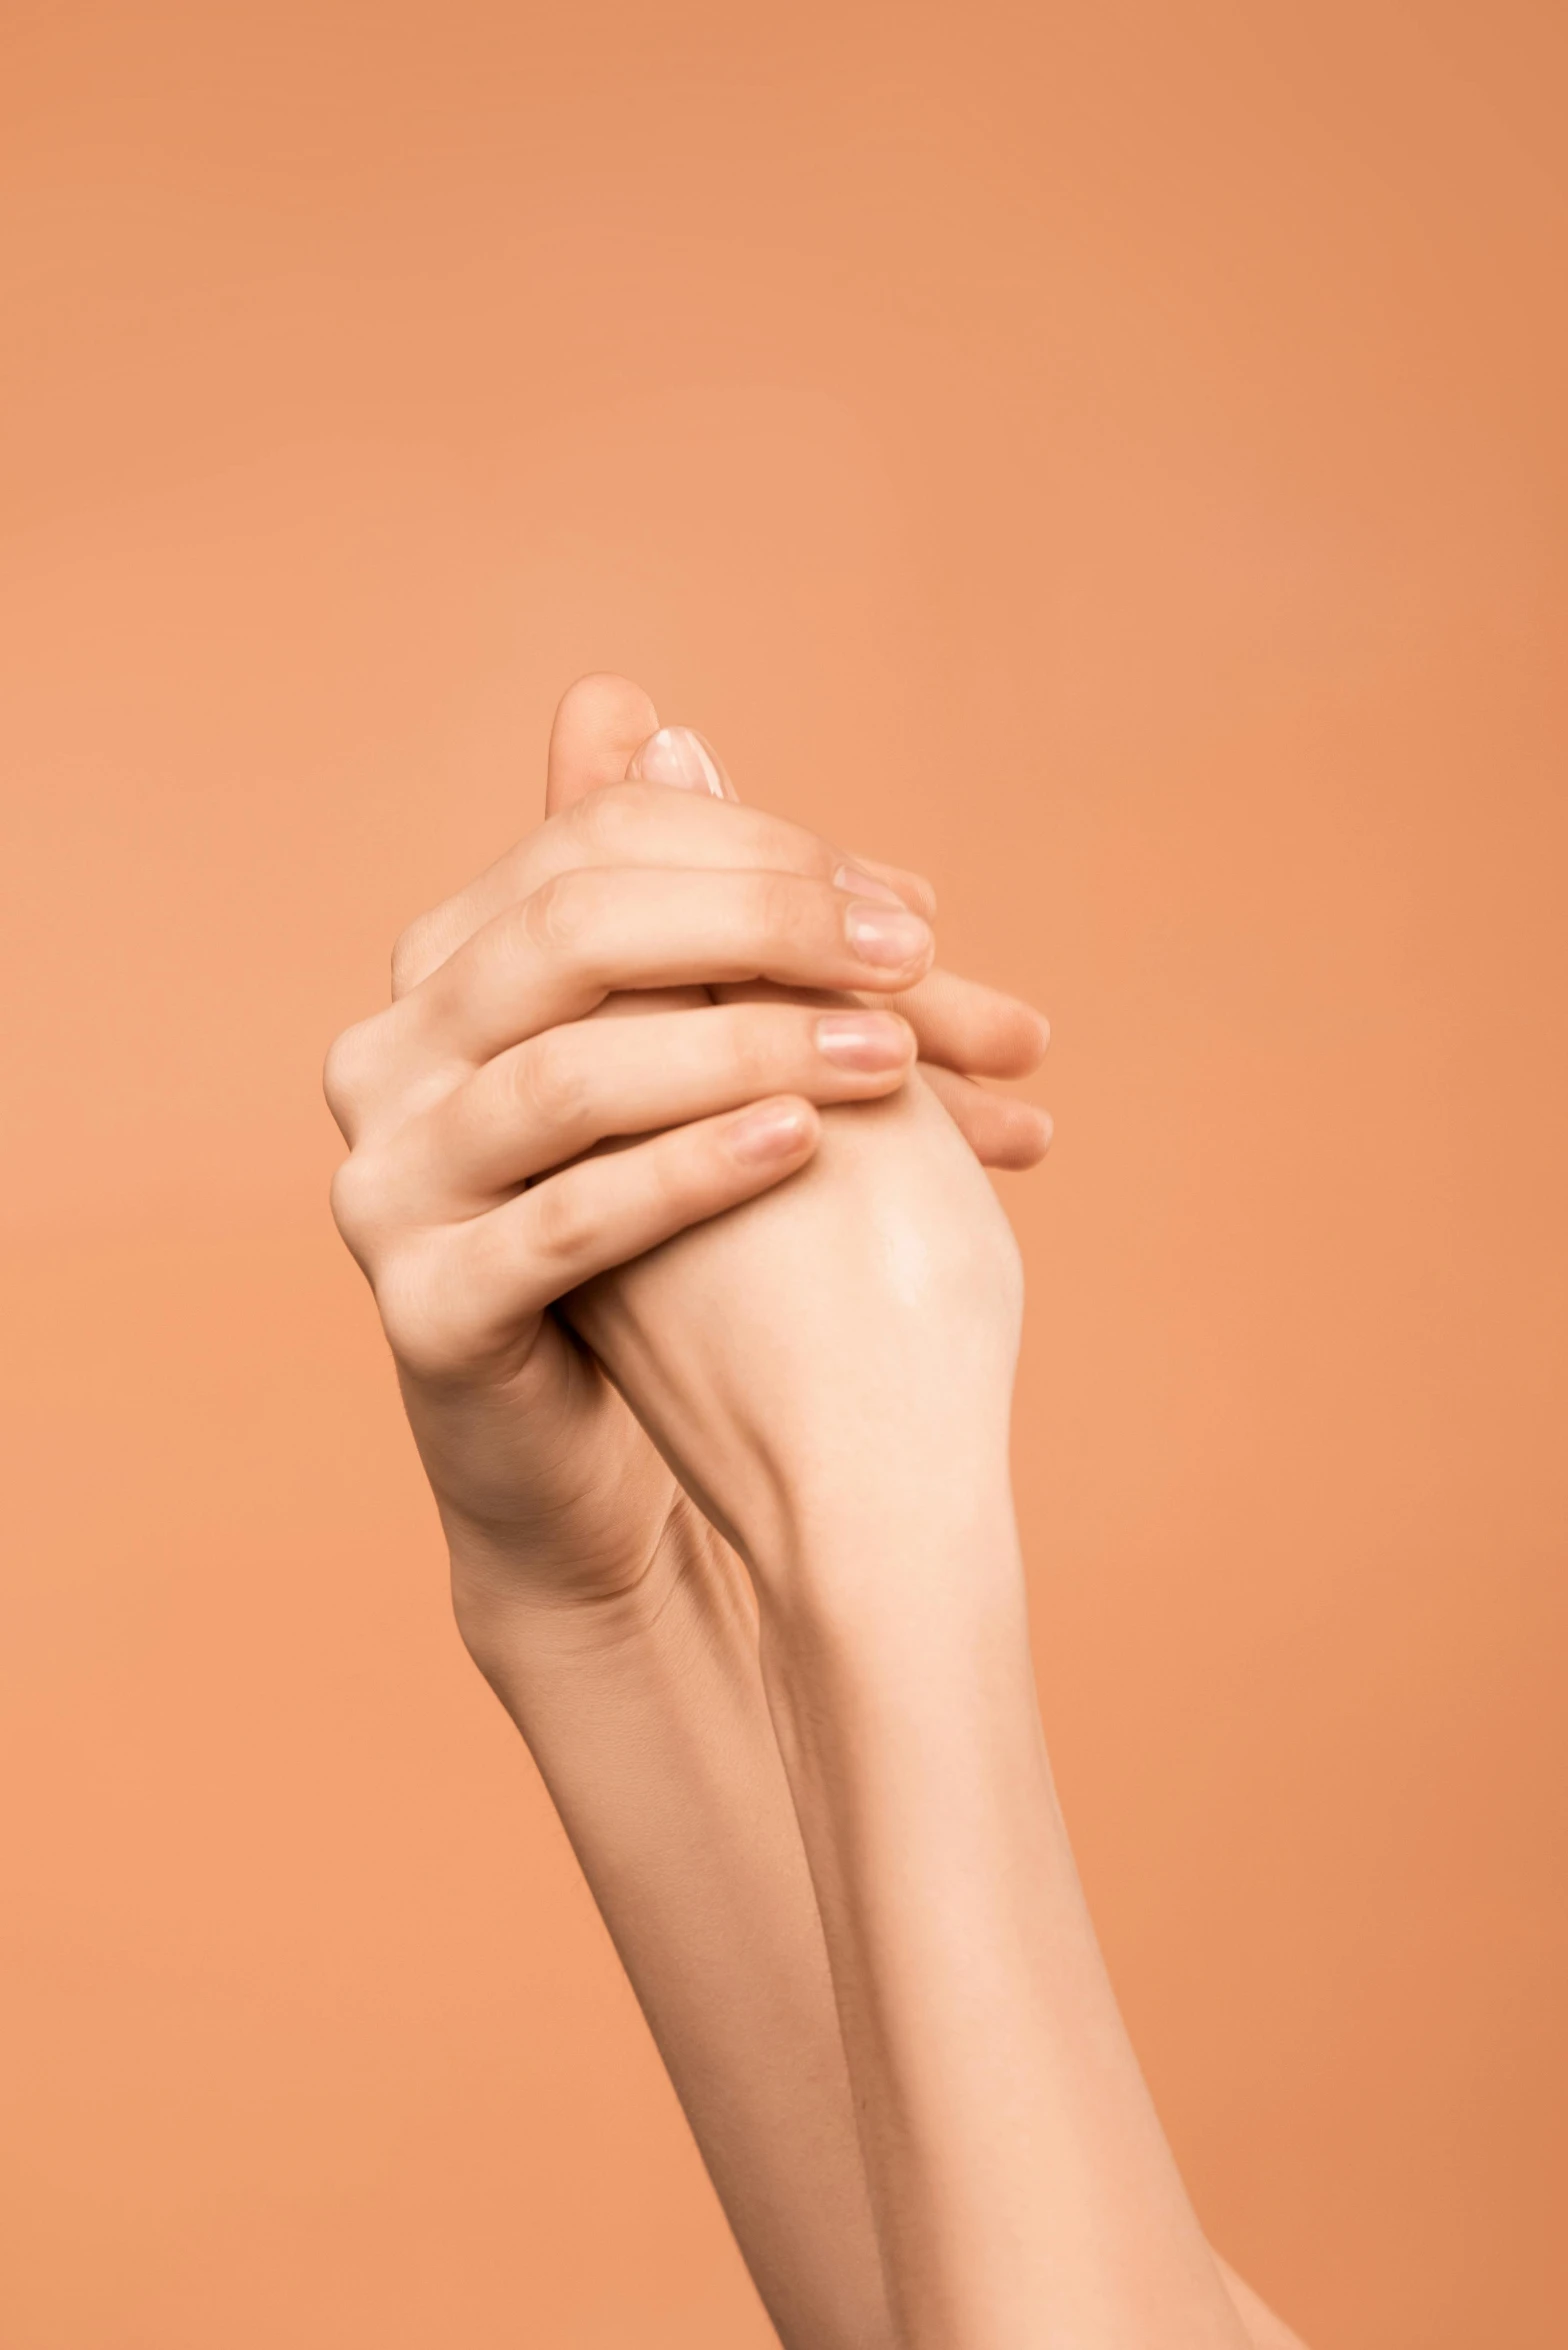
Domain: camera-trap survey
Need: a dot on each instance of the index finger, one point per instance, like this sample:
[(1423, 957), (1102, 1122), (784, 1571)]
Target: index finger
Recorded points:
[(626, 824)]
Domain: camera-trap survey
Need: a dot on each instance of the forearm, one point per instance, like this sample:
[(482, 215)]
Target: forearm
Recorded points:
[(650, 1724), (647, 1719), (1022, 2188)]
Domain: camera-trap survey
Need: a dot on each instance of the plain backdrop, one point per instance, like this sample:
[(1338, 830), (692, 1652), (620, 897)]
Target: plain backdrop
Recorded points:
[(1110, 456)]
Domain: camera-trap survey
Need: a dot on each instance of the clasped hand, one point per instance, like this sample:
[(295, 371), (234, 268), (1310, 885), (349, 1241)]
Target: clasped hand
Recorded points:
[(520, 1165)]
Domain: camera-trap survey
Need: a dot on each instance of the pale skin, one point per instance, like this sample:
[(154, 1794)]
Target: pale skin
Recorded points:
[(717, 1420)]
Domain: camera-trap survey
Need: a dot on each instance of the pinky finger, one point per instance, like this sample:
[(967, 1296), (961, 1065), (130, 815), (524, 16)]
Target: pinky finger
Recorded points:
[(1001, 1130), (605, 1210)]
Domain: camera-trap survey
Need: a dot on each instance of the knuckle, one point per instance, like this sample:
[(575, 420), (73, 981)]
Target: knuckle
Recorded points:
[(348, 1073), (564, 1223), (410, 1297), (610, 822), (549, 1080), (356, 1200), (558, 914)]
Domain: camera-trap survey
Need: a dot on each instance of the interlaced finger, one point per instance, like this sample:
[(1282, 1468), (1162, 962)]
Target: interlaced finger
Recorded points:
[(641, 824), (592, 932)]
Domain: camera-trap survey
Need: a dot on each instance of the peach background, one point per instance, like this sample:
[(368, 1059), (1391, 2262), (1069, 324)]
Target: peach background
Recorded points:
[(1111, 456)]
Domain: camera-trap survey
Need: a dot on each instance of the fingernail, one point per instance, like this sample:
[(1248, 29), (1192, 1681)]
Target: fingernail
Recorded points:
[(678, 755), (865, 885), (776, 1131), (863, 1040), (886, 934)]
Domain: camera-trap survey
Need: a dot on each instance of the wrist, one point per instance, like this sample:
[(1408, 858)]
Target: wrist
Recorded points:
[(898, 1642), (846, 1554), (525, 1635)]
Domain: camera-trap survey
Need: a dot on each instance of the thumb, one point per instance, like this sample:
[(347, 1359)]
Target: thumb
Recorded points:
[(599, 725), (607, 730)]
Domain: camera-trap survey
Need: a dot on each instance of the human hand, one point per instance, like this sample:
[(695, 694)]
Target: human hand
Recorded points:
[(847, 1344), (474, 1196)]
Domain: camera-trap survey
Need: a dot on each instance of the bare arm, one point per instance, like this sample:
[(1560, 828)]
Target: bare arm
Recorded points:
[(639, 1686), (619, 1629), (648, 1721), (1020, 2185)]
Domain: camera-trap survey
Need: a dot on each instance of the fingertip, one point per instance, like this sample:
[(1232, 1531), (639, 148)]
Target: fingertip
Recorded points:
[(1039, 1043), (604, 698), (1022, 1039), (599, 722), (1020, 1140), (912, 889), (773, 1134)]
